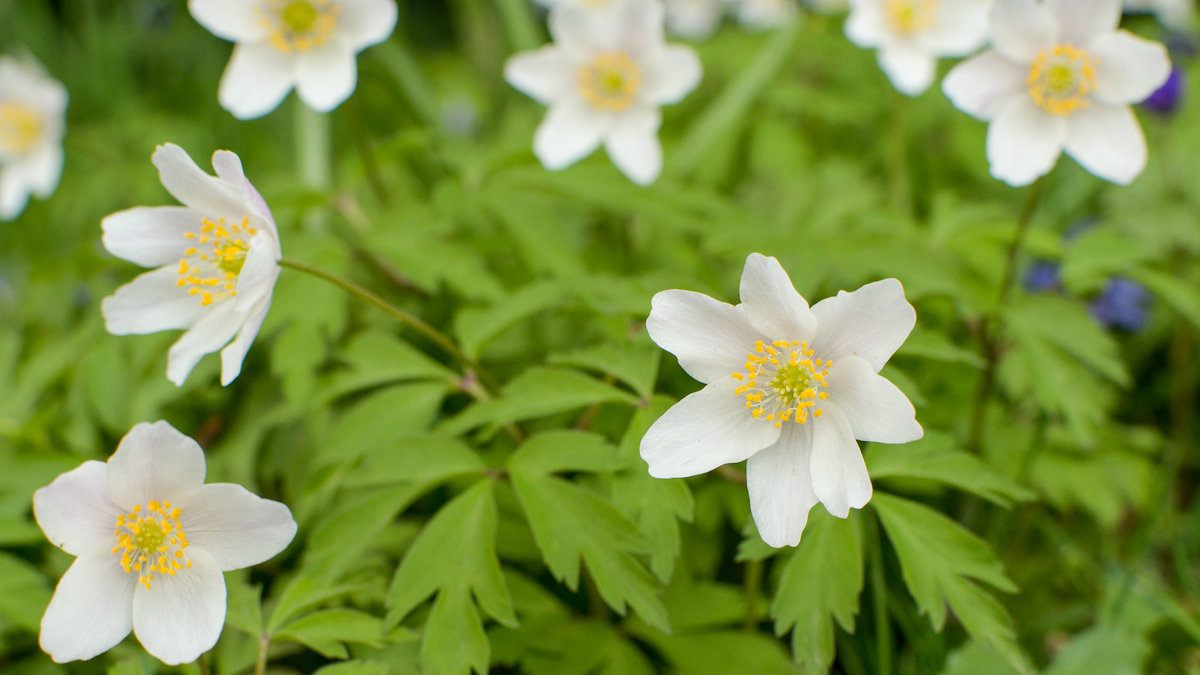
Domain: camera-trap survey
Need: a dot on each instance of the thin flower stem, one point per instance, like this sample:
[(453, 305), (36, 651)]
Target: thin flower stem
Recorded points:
[(991, 328), (752, 587), (883, 626), (899, 170), (436, 336), (260, 663), (202, 664)]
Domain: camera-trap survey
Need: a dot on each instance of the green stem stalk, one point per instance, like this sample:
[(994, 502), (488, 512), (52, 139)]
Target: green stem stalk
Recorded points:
[(752, 586), (260, 663), (883, 627)]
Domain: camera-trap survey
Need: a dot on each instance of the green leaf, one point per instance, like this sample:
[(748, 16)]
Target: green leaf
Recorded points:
[(538, 392), (565, 450), (821, 583), (408, 408), (375, 357), (296, 353), (1067, 326), (939, 560), (326, 630), (454, 640), (420, 460), (24, 593), (337, 541), (355, 667), (301, 594), (475, 327), (932, 459), (455, 551), (244, 610), (571, 523), (634, 363), (1103, 649), (723, 652), (1181, 296)]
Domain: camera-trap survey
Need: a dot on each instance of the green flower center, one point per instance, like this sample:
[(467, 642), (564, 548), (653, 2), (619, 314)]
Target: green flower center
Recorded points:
[(610, 82), (1061, 78), (299, 25), (299, 16), (911, 16), (783, 382)]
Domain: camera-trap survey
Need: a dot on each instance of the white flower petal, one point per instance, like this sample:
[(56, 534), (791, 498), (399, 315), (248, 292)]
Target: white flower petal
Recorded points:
[(205, 337), (155, 461), (1130, 68), (1107, 141), (632, 144), (259, 272), (781, 487), (14, 193), (871, 322), (91, 610), (709, 337), (867, 26), (150, 236), (670, 75), (233, 20), (75, 510), (180, 617), (642, 29), (229, 169), (236, 527), (234, 353), (959, 28), (1081, 21), (192, 186), (706, 429), (1022, 28), (44, 168), (366, 22), (910, 69), (875, 408), (1024, 141), (582, 33), (771, 303), (150, 303), (570, 132), (326, 77), (982, 85), (839, 474), (545, 74), (693, 19), (255, 81)]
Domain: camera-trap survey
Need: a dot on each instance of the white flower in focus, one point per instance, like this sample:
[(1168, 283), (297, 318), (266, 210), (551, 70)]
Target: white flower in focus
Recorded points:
[(280, 44), (694, 19), (1060, 76), (765, 14), (150, 541), (215, 258), (912, 34), (32, 108), (787, 388), (604, 79), (1176, 14)]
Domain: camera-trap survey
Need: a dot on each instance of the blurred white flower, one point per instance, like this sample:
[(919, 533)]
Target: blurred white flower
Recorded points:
[(1060, 76), (32, 108), (787, 387), (765, 14), (216, 258), (1177, 14), (306, 44), (912, 34), (151, 541), (694, 19), (604, 79)]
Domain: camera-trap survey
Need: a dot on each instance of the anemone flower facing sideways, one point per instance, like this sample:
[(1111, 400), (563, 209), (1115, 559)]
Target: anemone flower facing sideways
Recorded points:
[(216, 260), (307, 44), (787, 387), (1060, 76), (604, 79), (151, 541)]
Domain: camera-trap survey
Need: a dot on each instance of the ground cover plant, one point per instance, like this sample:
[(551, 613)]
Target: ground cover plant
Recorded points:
[(631, 336)]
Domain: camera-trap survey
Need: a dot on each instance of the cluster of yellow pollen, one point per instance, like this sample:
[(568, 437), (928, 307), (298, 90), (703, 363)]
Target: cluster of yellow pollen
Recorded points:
[(783, 382), (150, 540), (20, 128), (610, 82), (210, 268), (911, 16), (1061, 78), (299, 25)]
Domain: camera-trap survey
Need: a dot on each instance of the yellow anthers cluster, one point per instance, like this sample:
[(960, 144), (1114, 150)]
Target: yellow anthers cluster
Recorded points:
[(911, 16), (1060, 79), (211, 268), (300, 25), (20, 128), (783, 382), (610, 82), (150, 540)]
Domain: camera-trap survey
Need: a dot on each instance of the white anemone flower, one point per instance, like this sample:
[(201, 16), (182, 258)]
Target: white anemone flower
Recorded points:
[(693, 19), (32, 108), (604, 79), (765, 14), (216, 260), (912, 34), (150, 541), (787, 387), (1060, 76), (280, 44)]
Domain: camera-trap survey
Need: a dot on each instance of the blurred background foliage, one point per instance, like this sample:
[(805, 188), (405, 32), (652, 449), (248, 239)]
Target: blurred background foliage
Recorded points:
[(1052, 524)]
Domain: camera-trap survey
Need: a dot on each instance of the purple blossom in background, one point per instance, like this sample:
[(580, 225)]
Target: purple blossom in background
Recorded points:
[(1123, 304), (1042, 275), (1165, 99)]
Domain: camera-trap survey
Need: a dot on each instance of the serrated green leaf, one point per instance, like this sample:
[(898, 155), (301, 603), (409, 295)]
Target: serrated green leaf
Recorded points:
[(374, 358), (326, 630), (475, 327), (24, 592), (1067, 326), (821, 583), (537, 392), (1182, 297), (723, 652), (1103, 649), (244, 610), (565, 450), (455, 550), (939, 559), (409, 409), (301, 594), (454, 640), (339, 538), (933, 459), (298, 349), (420, 460), (634, 363)]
